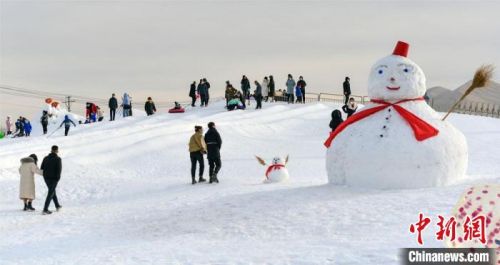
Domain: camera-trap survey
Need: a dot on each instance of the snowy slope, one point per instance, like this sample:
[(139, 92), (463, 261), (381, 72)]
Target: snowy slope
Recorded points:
[(128, 200)]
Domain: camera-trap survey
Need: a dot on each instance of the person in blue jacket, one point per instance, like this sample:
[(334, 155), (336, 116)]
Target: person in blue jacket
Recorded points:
[(67, 123), (298, 94), (27, 127)]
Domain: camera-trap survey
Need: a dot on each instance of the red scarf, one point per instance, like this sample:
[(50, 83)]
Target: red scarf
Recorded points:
[(273, 167), (421, 129)]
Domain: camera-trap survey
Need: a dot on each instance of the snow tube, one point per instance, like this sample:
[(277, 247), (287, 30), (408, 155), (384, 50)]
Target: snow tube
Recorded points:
[(174, 110), (55, 104), (48, 100), (2, 135)]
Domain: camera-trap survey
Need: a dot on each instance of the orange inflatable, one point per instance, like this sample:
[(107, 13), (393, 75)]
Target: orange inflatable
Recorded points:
[(48, 100), (55, 104)]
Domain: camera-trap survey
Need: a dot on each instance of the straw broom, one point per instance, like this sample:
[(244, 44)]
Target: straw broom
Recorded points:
[(481, 79)]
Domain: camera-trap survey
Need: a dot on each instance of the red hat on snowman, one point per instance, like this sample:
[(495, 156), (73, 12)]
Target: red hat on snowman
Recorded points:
[(401, 49)]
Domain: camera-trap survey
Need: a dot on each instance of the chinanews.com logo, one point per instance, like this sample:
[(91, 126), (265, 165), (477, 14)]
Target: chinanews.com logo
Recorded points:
[(470, 244), (455, 256)]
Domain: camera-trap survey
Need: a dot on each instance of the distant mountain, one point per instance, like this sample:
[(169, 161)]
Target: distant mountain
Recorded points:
[(441, 99)]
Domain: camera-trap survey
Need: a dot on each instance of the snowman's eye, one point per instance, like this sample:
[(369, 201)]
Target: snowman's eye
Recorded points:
[(406, 68), (380, 71)]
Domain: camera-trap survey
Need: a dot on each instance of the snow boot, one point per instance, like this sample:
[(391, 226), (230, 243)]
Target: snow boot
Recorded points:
[(211, 179), (201, 179), (58, 208), (46, 212), (193, 181), (25, 207), (30, 207), (216, 180)]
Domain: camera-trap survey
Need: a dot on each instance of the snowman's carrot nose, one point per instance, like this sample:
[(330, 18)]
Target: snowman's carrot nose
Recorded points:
[(392, 79)]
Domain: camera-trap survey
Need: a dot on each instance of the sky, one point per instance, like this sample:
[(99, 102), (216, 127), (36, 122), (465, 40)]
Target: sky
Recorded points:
[(157, 48)]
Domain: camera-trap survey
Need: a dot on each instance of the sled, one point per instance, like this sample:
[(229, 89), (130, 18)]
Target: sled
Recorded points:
[(174, 110)]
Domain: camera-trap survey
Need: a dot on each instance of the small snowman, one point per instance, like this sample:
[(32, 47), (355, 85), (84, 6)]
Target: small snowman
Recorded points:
[(276, 172), (396, 140)]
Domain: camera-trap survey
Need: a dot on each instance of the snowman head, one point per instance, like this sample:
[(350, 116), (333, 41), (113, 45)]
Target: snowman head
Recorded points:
[(396, 77)]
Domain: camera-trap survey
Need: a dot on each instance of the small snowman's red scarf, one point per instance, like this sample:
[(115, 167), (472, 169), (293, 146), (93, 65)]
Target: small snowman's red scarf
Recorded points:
[(421, 129), (273, 167)]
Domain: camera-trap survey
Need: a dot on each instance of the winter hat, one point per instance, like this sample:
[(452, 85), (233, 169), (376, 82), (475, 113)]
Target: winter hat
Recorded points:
[(211, 124), (34, 157), (54, 148), (401, 49)]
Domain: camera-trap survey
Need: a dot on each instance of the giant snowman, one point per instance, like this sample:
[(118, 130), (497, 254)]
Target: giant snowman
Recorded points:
[(396, 140)]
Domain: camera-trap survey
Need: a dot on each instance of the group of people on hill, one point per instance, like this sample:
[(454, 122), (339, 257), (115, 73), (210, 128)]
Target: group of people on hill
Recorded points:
[(350, 107), (265, 91), (22, 126), (50, 169), (93, 113), (201, 91)]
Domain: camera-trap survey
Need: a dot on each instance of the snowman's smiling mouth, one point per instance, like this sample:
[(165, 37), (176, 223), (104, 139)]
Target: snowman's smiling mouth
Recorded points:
[(393, 88)]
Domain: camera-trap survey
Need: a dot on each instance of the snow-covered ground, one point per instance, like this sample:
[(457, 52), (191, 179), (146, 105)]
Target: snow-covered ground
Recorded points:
[(127, 195)]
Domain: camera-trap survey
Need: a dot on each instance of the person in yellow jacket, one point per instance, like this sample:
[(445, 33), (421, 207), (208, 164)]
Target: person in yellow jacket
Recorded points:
[(197, 147)]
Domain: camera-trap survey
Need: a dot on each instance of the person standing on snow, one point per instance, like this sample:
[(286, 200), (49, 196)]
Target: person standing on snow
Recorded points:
[(245, 88), (290, 86), (113, 105), (150, 107), (202, 92), (126, 104), (52, 167), (8, 124), (347, 89), (192, 93), (258, 95), (272, 91), (27, 170), (350, 108), (44, 120), (298, 94), (302, 85), (214, 144), (207, 91), (27, 127), (265, 88), (197, 147), (336, 119), (67, 123)]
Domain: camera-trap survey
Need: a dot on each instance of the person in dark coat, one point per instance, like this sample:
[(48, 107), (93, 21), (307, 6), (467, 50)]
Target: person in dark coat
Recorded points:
[(201, 91), (113, 105), (207, 91), (336, 119), (347, 89), (150, 107), (350, 108), (67, 124), (271, 88), (258, 95), (44, 120), (214, 144), (192, 93), (245, 88), (302, 85), (52, 167)]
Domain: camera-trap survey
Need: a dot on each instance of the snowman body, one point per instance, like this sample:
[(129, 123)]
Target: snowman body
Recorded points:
[(277, 175), (381, 150)]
